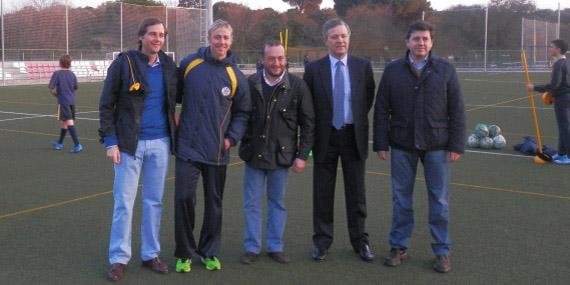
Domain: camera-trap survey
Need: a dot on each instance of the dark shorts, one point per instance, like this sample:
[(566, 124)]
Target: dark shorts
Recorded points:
[(65, 112)]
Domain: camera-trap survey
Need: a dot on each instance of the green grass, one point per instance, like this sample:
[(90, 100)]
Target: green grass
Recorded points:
[(509, 217)]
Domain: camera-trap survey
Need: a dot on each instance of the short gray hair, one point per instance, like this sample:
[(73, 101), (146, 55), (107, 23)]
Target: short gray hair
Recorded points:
[(332, 23), (218, 24)]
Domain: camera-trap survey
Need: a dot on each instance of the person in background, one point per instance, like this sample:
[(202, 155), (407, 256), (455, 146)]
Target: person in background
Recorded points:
[(559, 87), (63, 85)]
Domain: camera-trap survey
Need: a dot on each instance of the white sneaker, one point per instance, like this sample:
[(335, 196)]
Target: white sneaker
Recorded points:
[(562, 159)]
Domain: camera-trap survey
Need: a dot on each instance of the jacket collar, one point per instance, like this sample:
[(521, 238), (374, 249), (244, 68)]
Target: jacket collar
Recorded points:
[(257, 77), (274, 83), (144, 58), (432, 61), (206, 54)]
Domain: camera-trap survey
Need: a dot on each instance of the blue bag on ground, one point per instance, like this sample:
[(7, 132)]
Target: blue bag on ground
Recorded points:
[(529, 147)]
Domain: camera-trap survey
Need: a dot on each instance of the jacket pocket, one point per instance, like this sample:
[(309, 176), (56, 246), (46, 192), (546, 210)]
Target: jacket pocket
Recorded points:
[(290, 119), (245, 151), (399, 133), (438, 133), (285, 156)]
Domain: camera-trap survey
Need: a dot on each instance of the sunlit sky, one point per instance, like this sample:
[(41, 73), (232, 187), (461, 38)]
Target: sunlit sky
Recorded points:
[(279, 5)]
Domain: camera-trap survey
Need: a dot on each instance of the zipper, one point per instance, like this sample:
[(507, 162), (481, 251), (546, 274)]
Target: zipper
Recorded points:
[(268, 111), (221, 133)]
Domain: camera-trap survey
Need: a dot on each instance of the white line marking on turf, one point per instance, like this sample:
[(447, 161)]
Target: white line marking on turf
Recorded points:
[(489, 152), (498, 153), (492, 81), (21, 118), (33, 116), (86, 119), (28, 114), (506, 106)]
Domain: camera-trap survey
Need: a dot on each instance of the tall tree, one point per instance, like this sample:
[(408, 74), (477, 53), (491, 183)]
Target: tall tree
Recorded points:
[(342, 6), (142, 2), (517, 6), (305, 5), (191, 3), (41, 4), (409, 10)]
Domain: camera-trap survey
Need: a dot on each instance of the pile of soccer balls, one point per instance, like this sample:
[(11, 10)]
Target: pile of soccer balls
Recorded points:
[(487, 137)]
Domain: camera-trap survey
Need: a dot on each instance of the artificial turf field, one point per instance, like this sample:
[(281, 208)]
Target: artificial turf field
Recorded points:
[(510, 218)]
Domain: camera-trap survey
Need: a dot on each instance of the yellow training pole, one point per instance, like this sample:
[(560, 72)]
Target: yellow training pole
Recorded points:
[(281, 37), (286, 39), (532, 105)]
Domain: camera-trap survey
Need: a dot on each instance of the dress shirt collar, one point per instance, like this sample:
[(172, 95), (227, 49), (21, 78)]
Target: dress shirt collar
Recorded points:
[(274, 82), (420, 64), (334, 60)]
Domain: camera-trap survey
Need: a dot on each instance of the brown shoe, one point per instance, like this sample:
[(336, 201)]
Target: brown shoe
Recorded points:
[(442, 264), (116, 272), (280, 257), (156, 265), (395, 257), (248, 257)]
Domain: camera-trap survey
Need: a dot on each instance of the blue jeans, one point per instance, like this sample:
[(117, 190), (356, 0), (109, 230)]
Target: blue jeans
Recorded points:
[(254, 187), (151, 159), (436, 173)]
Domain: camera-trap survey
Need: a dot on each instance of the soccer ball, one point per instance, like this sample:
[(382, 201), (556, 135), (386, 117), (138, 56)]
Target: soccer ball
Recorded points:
[(499, 142), (473, 141), (486, 143), (481, 130), (494, 131)]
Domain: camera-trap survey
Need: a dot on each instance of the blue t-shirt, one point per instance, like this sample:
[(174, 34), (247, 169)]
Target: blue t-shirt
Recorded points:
[(154, 123), (66, 83)]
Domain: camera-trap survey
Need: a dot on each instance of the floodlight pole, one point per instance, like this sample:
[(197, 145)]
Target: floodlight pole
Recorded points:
[(2, 20), (121, 13), (66, 28), (546, 40), (166, 22), (558, 27), (534, 43), (423, 15), (486, 26), (522, 33), (210, 11)]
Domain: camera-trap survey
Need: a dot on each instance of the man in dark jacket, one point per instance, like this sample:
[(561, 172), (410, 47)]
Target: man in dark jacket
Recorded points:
[(136, 113), (215, 110), (279, 135), (419, 114), (559, 86), (342, 86)]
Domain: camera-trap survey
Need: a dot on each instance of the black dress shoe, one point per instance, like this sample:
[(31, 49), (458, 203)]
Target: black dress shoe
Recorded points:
[(319, 254), (365, 253)]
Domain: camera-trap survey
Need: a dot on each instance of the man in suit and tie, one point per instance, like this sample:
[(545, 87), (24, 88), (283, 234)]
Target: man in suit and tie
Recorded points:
[(343, 93)]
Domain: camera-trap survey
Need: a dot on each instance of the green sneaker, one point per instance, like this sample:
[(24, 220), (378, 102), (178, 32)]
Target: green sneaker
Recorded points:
[(212, 263), (183, 265)]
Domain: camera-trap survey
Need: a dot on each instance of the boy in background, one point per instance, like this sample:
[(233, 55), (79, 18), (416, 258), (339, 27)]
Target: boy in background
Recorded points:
[(62, 85)]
